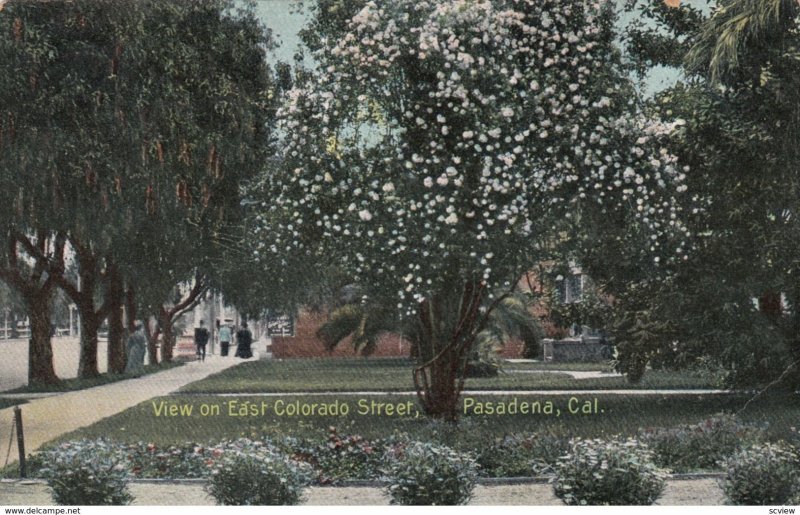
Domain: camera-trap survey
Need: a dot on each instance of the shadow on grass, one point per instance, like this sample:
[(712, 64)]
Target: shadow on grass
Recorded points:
[(69, 385)]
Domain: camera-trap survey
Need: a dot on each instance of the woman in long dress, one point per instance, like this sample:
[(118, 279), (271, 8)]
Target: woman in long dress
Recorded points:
[(244, 339)]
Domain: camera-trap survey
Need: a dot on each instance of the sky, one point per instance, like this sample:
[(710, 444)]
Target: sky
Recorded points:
[(281, 18)]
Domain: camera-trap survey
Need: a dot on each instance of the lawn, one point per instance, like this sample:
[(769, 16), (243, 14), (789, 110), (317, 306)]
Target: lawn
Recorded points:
[(603, 366), (7, 403), (342, 375), (616, 414)]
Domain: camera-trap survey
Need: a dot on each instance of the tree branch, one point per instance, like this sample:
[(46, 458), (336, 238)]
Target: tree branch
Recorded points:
[(191, 300)]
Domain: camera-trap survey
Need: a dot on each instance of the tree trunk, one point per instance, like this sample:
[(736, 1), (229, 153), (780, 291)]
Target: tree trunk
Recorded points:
[(116, 330), (36, 286), (40, 350), (770, 305), (130, 309), (90, 323), (445, 340), (152, 342), (167, 336), (444, 389)]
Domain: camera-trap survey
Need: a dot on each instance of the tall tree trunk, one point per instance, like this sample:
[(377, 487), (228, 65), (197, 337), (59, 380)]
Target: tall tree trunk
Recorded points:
[(792, 338), (90, 324), (130, 309), (152, 342), (167, 336), (91, 316), (114, 294), (36, 285), (445, 339), (40, 350), (167, 316)]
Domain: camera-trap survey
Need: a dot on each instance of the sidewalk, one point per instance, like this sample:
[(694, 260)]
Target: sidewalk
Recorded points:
[(50, 417), (695, 492)]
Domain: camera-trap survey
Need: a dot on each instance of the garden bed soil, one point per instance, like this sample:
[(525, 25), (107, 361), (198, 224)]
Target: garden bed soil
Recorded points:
[(694, 492)]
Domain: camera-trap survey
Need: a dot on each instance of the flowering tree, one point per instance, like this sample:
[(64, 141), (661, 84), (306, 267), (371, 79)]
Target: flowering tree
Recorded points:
[(436, 142)]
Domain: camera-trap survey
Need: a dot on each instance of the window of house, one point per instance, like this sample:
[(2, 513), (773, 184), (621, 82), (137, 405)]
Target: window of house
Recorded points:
[(570, 289)]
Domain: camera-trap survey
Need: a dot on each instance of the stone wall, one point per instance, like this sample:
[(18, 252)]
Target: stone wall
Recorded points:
[(575, 349)]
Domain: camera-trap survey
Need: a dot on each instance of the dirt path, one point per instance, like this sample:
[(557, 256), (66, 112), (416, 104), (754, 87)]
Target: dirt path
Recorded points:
[(699, 492)]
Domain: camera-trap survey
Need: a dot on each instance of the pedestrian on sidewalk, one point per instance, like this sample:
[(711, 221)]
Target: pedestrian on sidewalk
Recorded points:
[(224, 339), (244, 339), (137, 343), (201, 336)]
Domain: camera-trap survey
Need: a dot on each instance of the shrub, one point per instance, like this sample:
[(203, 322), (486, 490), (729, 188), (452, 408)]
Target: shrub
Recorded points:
[(429, 474), (608, 472), (700, 446), (86, 472), (765, 474), (187, 460), (347, 457), (518, 455), (255, 473)]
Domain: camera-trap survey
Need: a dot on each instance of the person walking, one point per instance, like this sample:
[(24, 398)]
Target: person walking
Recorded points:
[(137, 345), (244, 339), (224, 339), (201, 336)]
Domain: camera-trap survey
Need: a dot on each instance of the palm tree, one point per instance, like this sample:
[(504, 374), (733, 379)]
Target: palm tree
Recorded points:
[(739, 32), (512, 319)]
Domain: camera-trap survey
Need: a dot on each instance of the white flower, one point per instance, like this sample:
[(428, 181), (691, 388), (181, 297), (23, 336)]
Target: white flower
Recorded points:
[(468, 134), (388, 187), (428, 182), (451, 220), (507, 112), (365, 215)]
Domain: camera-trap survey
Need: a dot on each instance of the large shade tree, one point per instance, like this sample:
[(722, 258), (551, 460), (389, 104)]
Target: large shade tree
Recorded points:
[(129, 121), (435, 142), (738, 133)]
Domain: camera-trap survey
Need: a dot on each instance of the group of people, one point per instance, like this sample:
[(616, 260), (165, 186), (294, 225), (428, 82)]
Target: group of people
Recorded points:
[(244, 340)]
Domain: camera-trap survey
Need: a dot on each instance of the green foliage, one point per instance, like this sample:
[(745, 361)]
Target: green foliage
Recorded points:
[(86, 472), (598, 472), (130, 128), (648, 37), (511, 318), (430, 474), (364, 325), (346, 457), (742, 34), (734, 117), (251, 474), (520, 455), (764, 474), (701, 446)]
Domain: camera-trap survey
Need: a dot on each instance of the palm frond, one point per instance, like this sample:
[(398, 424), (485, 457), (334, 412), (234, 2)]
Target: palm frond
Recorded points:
[(343, 322), (737, 24), (365, 326)]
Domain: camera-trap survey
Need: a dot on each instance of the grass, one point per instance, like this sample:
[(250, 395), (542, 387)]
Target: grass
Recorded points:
[(617, 414), (341, 375), (69, 385), (603, 366), (7, 403)]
